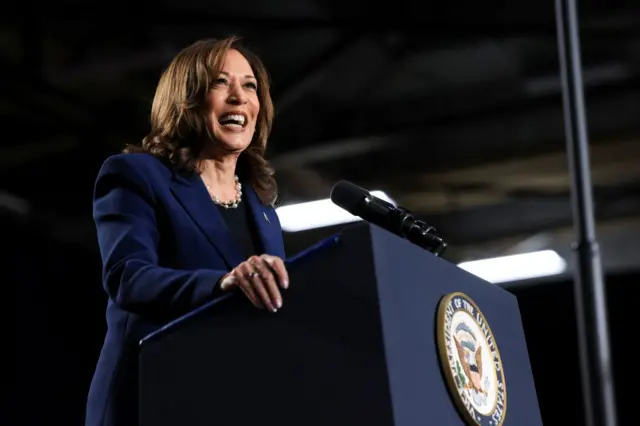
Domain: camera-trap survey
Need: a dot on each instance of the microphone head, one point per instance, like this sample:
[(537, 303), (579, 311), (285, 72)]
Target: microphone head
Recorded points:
[(348, 195)]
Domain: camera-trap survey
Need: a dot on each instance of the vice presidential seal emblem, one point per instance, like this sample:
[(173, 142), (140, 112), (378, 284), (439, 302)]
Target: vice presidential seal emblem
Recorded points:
[(471, 361)]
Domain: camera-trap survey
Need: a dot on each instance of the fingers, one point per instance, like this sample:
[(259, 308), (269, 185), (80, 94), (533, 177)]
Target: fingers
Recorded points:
[(244, 283), (258, 278), (265, 284), (277, 265), (228, 282)]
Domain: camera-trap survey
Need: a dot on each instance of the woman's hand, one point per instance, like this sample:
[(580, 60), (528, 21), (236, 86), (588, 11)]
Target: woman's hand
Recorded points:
[(260, 279)]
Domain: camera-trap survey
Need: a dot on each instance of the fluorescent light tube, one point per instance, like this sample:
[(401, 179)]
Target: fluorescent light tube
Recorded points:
[(517, 267), (318, 214)]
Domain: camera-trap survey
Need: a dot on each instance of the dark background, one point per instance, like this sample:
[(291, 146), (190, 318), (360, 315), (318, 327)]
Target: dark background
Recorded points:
[(455, 112)]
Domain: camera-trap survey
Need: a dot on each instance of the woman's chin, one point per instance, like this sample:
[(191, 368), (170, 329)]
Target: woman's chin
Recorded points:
[(236, 144)]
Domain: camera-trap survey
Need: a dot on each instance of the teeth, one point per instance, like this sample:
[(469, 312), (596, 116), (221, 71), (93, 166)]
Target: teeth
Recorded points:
[(235, 118)]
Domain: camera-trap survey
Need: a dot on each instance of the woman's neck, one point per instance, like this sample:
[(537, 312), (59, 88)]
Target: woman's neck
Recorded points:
[(220, 176)]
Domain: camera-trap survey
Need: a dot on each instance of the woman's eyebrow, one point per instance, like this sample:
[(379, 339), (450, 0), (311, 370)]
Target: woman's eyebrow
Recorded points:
[(245, 76)]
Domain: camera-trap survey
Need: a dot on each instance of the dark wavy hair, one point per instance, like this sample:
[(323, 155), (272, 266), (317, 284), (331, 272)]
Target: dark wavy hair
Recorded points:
[(178, 122)]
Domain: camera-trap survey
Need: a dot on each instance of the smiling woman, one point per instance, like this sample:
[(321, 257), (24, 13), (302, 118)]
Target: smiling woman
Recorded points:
[(187, 214), (220, 77)]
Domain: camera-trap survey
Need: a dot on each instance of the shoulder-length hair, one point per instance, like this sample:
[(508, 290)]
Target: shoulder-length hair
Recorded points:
[(178, 121)]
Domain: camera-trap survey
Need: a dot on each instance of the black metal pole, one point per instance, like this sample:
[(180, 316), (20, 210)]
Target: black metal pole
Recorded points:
[(591, 308)]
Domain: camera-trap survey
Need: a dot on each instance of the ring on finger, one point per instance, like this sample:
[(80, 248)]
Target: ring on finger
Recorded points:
[(252, 275)]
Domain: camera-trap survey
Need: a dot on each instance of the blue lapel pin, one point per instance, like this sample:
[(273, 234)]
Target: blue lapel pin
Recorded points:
[(266, 218)]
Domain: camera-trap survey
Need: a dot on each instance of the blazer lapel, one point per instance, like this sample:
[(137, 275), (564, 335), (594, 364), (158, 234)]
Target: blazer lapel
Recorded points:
[(194, 197), (266, 223)]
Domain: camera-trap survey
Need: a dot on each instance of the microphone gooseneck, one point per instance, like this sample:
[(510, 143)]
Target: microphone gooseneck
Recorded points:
[(397, 220)]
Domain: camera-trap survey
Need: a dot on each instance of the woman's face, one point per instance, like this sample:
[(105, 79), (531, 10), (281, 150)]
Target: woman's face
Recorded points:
[(233, 105)]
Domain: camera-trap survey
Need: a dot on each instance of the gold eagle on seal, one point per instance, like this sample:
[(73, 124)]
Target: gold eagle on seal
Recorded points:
[(470, 354)]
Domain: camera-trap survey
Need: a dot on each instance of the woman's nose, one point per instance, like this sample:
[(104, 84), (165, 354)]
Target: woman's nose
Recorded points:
[(236, 95)]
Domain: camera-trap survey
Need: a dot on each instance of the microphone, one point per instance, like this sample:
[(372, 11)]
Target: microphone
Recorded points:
[(359, 202)]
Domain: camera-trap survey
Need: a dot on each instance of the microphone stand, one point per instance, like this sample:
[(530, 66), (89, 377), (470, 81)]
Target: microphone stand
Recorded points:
[(417, 231)]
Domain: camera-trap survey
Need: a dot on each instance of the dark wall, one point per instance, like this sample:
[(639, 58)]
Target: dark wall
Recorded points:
[(60, 327), (59, 323), (548, 313)]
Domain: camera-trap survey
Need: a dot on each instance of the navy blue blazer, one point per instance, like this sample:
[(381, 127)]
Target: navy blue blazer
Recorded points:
[(164, 247)]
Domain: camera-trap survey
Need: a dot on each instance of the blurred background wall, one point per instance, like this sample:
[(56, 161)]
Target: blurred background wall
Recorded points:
[(456, 114)]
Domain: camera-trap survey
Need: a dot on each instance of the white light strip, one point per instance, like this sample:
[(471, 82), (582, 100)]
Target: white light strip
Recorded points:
[(318, 214), (517, 267)]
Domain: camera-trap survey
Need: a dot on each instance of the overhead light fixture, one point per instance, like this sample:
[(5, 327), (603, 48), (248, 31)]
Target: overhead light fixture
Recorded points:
[(517, 267), (318, 214)]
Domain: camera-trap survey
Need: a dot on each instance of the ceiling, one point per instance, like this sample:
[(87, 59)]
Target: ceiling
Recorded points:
[(455, 112)]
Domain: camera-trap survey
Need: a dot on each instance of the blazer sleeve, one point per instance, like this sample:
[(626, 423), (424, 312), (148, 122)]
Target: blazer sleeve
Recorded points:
[(125, 218)]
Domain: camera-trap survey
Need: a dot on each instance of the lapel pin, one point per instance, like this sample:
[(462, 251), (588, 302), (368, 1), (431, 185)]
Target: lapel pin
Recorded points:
[(266, 218)]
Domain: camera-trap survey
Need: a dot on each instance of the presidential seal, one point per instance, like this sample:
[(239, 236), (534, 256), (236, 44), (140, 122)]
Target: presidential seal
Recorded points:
[(471, 361)]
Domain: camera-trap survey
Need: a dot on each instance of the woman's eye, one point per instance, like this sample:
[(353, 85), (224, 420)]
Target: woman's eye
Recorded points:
[(252, 86), (221, 81)]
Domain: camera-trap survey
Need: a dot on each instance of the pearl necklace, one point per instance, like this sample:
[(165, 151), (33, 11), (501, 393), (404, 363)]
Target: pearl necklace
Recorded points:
[(232, 204)]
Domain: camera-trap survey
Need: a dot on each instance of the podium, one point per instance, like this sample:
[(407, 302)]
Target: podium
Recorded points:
[(364, 337)]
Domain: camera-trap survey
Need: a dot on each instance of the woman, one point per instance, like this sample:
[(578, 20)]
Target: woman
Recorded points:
[(188, 215)]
